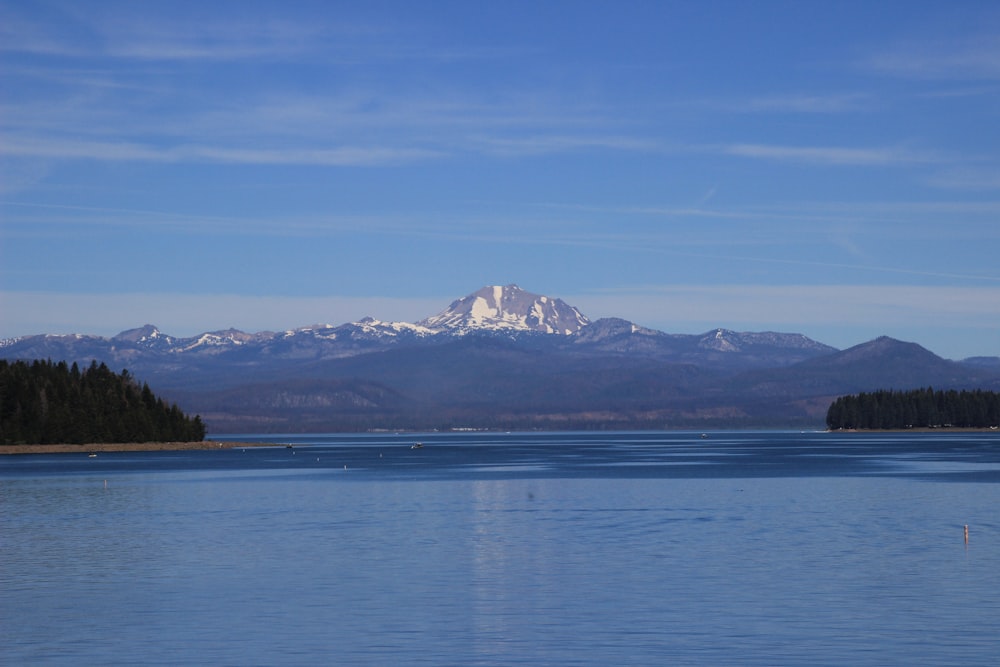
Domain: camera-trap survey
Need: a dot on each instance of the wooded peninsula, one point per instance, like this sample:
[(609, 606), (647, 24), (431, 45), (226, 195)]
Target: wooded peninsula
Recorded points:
[(918, 408), (44, 402)]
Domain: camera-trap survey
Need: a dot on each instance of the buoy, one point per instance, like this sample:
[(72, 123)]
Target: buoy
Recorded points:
[(966, 536), (966, 533)]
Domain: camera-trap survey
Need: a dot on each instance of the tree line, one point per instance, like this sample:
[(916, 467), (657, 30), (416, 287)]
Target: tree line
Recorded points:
[(42, 402), (917, 408)]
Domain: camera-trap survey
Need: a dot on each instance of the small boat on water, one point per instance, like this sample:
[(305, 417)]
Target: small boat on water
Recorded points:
[(417, 445)]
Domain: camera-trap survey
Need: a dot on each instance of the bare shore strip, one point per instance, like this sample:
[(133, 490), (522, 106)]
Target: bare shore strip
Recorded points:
[(94, 448), (128, 447), (921, 429)]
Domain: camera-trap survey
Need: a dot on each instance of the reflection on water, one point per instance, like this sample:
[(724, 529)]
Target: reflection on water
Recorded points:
[(508, 549)]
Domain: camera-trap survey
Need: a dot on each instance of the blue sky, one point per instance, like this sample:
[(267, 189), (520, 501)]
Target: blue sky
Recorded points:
[(831, 169)]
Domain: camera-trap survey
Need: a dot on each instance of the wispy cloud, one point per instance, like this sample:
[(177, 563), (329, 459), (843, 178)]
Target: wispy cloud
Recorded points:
[(967, 179), (808, 103), (351, 128), (91, 98), (159, 34), (453, 117), (832, 155), (560, 143), (340, 156), (238, 38), (868, 213), (20, 34), (38, 219), (134, 33), (974, 58)]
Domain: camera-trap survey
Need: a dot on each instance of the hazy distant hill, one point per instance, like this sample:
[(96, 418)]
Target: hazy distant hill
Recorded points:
[(505, 358)]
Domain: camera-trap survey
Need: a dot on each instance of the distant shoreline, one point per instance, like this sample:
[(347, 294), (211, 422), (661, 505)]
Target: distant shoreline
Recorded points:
[(919, 429), (94, 448)]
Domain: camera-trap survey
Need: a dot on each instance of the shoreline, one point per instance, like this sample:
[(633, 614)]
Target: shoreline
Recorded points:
[(919, 429), (94, 448)]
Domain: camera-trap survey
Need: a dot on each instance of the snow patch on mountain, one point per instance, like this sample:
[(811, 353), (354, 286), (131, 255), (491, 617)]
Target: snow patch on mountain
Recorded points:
[(507, 308), (148, 336), (370, 325), (217, 339), (725, 340)]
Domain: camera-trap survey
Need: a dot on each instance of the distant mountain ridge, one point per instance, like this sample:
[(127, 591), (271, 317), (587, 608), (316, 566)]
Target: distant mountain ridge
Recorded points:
[(506, 311), (503, 357)]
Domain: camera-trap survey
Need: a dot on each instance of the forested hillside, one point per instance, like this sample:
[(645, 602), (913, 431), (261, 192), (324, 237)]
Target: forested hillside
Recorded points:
[(887, 409), (43, 402)]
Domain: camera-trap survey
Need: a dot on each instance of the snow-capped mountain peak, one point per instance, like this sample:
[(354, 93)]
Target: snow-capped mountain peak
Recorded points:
[(507, 308)]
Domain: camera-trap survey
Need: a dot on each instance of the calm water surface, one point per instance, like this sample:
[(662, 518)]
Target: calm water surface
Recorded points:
[(579, 549)]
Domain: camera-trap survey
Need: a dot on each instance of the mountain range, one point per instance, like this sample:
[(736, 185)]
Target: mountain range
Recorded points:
[(504, 358)]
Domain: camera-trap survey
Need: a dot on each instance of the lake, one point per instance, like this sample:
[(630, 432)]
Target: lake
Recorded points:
[(737, 548)]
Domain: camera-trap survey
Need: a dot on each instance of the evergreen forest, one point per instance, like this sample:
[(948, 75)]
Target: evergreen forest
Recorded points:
[(918, 408), (43, 402)]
